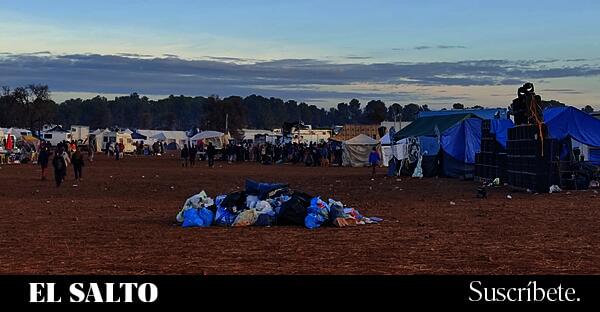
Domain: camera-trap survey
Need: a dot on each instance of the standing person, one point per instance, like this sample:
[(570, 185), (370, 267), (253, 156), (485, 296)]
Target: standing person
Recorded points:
[(60, 167), (185, 154), (117, 152), (43, 160), (193, 154), (111, 150), (162, 148), (324, 156), (374, 160), (91, 149), (210, 154), (77, 162)]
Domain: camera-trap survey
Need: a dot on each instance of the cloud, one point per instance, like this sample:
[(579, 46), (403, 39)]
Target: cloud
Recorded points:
[(357, 57), (134, 55), (563, 91), (441, 46), (287, 78)]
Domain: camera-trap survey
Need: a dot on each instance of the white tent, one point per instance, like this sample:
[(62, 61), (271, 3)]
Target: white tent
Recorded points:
[(218, 139), (159, 137), (355, 152), (207, 135)]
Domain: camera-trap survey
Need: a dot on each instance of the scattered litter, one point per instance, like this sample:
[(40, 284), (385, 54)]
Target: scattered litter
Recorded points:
[(452, 203), (509, 196), (555, 189)]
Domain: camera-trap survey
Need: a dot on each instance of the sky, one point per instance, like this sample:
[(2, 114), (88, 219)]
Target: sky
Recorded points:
[(321, 52)]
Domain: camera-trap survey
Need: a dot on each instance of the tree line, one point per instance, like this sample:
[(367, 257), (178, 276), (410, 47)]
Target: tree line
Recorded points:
[(31, 107)]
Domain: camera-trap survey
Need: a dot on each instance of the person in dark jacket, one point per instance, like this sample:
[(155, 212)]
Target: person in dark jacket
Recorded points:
[(185, 155), (210, 154), (60, 166), (193, 154), (43, 160), (77, 161)]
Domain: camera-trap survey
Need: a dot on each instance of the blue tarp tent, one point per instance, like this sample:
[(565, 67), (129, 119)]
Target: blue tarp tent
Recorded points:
[(564, 122), (463, 140), (570, 122)]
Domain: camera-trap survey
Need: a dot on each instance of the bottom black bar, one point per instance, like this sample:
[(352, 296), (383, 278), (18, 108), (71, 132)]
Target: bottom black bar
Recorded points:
[(299, 291)]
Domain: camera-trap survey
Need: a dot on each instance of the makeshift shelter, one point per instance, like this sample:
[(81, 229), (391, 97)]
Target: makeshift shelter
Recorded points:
[(355, 152), (428, 131), (218, 139), (462, 141), (572, 123)]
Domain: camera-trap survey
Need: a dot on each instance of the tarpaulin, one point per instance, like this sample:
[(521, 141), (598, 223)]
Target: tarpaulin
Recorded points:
[(500, 129), (463, 140), (571, 122)]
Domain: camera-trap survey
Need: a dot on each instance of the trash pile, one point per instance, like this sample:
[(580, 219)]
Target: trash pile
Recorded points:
[(266, 204)]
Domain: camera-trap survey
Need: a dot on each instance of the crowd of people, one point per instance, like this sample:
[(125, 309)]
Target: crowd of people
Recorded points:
[(311, 154), (323, 154), (64, 154)]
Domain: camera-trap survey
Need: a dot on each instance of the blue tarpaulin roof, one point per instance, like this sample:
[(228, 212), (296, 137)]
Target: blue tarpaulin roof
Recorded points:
[(485, 113), (571, 122)]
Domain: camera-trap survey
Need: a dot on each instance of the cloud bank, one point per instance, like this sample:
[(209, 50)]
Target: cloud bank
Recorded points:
[(303, 79)]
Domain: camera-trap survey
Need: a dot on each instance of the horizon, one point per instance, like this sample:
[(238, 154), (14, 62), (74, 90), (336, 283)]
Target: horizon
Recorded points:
[(427, 53)]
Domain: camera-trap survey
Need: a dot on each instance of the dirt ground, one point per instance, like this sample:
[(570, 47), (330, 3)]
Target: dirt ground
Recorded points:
[(120, 220)]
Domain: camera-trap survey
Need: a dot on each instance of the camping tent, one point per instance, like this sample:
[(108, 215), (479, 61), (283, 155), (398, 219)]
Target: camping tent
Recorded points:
[(355, 152), (583, 129)]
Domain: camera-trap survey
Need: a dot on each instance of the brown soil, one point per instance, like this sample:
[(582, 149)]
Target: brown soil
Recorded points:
[(120, 220)]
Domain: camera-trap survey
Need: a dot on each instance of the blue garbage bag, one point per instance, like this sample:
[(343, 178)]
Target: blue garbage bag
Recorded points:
[(262, 189), (224, 217), (197, 217), (313, 220), (319, 207)]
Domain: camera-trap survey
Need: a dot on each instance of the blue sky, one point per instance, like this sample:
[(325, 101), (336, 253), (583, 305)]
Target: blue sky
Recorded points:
[(555, 44)]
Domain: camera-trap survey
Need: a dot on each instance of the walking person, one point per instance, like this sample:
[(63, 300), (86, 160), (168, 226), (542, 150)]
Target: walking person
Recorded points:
[(185, 154), (78, 163), (43, 160), (374, 160), (60, 167), (210, 154)]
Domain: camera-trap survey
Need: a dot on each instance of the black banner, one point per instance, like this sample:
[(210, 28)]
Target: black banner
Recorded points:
[(299, 291)]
